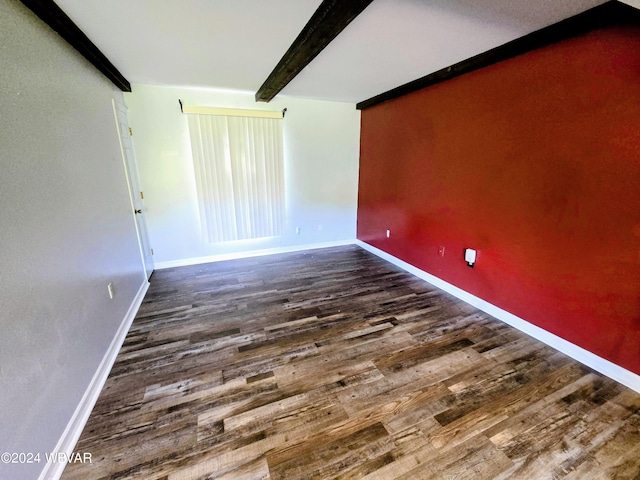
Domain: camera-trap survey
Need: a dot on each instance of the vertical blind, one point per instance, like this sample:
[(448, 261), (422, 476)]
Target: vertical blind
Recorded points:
[(239, 169)]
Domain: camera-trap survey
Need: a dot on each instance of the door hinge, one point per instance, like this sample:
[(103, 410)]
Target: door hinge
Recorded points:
[(141, 196), (130, 132), (151, 251)]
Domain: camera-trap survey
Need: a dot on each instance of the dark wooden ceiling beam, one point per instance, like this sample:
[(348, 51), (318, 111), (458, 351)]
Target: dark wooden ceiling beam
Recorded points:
[(331, 17), (591, 19), (53, 16)]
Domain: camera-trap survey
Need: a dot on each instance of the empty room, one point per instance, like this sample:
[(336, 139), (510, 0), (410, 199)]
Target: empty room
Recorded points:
[(296, 239)]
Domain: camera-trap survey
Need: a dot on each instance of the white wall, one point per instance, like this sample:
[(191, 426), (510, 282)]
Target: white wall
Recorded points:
[(321, 142), (66, 230)]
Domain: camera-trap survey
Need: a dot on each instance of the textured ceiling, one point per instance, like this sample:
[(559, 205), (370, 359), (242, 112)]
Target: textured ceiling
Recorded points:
[(235, 44)]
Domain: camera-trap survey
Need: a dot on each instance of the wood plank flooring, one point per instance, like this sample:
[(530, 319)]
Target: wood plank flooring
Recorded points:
[(334, 364)]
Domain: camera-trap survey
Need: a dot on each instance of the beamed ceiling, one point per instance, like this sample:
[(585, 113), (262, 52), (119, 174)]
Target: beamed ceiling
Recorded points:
[(349, 51)]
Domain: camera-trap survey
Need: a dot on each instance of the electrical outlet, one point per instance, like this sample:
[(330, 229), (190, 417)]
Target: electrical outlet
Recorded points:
[(110, 290), (441, 251), (388, 233), (297, 230), (470, 256)]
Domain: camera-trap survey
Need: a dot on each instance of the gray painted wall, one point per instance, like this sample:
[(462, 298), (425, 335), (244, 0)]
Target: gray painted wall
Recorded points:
[(66, 231)]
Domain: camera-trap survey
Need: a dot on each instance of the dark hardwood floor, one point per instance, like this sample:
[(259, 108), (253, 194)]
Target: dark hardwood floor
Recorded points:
[(334, 364)]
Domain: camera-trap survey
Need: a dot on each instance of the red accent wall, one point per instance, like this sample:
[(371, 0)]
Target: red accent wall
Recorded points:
[(534, 162)]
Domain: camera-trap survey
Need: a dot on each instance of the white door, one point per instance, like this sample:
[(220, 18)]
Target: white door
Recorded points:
[(135, 192)]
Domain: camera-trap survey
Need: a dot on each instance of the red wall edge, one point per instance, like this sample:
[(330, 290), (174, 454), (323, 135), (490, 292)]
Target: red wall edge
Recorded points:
[(534, 162)]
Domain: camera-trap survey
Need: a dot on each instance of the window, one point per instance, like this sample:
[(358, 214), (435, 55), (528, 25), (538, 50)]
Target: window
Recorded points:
[(239, 170)]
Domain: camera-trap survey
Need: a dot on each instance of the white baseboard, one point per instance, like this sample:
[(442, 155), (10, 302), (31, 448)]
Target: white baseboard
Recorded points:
[(68, 440), (583, 356), (252, 253)]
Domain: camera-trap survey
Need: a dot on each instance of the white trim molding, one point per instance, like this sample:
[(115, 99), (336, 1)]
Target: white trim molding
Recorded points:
[(591, 360), (68, 440), (251, 253)]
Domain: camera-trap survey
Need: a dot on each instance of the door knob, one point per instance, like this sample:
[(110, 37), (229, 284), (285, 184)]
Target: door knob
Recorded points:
[(138, 211)]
